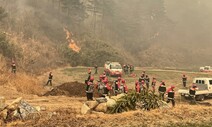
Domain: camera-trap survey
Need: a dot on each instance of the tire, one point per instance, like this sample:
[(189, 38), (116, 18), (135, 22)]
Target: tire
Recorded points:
[(200, 97)]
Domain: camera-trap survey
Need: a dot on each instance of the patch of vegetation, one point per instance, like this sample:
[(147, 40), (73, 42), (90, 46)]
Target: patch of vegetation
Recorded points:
[(145, 100), (7, 49), (92, 52), (3, 14)]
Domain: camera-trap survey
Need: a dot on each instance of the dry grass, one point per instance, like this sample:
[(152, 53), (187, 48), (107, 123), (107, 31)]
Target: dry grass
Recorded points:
[(182, 115), (24, 84), (36, 56), (2, 63)]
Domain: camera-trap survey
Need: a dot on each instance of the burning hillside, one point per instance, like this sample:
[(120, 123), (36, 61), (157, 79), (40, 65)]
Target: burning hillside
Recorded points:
[(72, 43)]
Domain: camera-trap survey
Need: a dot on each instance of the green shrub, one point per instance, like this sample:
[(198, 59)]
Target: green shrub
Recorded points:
[(145, 100), (92, 52)]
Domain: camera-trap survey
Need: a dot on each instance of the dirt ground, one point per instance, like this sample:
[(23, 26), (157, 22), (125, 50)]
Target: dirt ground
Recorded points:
[(62, 104), (68, 89)]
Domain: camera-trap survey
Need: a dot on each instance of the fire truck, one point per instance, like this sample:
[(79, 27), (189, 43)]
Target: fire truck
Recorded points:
[(113, 68), (205, 69)]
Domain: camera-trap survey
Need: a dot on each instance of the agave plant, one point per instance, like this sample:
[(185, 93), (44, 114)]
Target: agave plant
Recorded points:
[(145, 100)]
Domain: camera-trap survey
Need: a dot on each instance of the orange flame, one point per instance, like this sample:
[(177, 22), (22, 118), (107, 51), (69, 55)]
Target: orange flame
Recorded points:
[(72, 43)]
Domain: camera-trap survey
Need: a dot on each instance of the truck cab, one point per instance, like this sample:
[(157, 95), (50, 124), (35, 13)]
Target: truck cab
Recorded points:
[(113, 68), (204, 86)]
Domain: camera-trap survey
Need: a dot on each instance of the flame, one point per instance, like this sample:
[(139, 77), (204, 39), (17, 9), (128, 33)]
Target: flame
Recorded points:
[(72, 43)]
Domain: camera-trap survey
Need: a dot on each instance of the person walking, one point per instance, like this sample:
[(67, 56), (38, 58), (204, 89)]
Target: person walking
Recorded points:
[(162, 90), (96, 69), (171, 94), (13, 66), (50, 79), (184, 80), (192, 93)]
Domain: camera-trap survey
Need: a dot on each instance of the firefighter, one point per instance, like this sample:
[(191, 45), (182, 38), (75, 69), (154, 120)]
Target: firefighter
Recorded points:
[(104, 76), (125, 67), (89, 76), (170, 93), (13, 66), (131, 69), (137, 87), (192, 93), (123, 87), (141, 78), (147, 80), (100, 86), (90, 88), (50, 79), (96, 69), (153, 84), (162, 90), (143, 74), (142, 85), (184, 80), (107, 88), (117, 84)]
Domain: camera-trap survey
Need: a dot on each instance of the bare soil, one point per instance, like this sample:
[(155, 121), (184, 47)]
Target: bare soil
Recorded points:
[(68, 89)]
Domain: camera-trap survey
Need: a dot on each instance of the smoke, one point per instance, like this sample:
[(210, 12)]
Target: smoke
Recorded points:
[(148, 29), (193, 21)]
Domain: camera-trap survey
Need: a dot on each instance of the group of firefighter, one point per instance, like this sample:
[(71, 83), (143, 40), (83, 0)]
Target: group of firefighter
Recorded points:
[(119, 86), (128, 68), (13, 70), (103, 87)]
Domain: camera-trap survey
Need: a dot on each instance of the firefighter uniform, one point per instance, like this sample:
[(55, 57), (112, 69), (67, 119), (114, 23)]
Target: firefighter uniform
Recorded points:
[(162, 90), (170, 93)]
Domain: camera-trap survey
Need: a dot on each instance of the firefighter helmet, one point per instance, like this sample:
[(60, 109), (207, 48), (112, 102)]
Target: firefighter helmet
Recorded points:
[(123, 81), (91, 78), (119, 78)]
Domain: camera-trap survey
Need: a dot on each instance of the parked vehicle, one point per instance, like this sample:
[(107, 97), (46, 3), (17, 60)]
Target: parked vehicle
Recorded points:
[(204, 86), (113, 68), (205, 69)]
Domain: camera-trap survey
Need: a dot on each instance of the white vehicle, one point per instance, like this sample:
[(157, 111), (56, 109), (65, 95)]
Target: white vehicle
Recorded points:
[(205, 69), (204, 86), (113, 68)]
